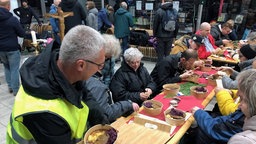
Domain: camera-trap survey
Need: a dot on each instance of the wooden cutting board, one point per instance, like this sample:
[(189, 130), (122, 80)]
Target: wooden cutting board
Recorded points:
[(135, 133)]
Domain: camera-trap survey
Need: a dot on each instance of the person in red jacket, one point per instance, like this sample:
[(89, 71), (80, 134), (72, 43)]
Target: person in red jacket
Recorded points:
[(209, 46)]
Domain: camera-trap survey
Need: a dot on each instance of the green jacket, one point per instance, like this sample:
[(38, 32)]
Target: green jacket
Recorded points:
[(123, 22)]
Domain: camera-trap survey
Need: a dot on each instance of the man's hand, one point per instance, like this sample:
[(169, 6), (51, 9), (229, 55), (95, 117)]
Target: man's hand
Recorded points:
[(186, 74), (135, 107), (225, 69), (198, 63), (225, 41), (194, 109), (148, 91), (216, 51), (144, 96)]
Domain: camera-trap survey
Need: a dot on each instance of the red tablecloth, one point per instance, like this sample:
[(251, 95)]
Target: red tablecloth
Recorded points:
[(186, 103)]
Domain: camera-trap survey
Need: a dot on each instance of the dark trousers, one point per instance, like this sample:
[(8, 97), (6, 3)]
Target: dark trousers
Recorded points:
[(164, 46), (124, 44), (26, 27)]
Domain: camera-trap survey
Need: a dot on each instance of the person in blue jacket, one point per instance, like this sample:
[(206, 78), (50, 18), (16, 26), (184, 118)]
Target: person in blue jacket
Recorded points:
[(218, 129), (55, 22), (103, 18)]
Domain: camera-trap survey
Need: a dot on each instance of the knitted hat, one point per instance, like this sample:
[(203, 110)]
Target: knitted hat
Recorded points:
[(197, 39), (248, 52)]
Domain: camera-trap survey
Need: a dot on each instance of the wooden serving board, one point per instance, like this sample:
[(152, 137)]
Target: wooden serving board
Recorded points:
[(135, 133)]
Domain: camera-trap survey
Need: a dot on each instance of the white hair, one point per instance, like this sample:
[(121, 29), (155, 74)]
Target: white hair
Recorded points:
[(112, 46), (79, 43), (132, 54)]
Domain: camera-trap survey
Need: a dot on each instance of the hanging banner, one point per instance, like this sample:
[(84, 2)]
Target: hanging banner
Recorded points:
[(220, 8)]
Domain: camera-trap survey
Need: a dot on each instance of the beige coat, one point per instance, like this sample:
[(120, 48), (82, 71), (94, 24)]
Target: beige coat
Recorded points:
[(248, 136), (180, 45)]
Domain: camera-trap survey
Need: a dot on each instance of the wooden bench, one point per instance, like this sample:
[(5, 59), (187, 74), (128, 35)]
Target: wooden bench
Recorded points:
[(148, 52)]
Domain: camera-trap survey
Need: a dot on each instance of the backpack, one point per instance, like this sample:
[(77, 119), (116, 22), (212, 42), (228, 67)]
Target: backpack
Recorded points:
[(169, 20), (139, 37)]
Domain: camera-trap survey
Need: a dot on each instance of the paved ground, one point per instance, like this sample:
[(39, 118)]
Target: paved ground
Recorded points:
[(7, 99)]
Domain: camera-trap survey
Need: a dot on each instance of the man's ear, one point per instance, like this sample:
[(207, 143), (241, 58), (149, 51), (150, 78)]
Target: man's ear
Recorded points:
[(80, 65)]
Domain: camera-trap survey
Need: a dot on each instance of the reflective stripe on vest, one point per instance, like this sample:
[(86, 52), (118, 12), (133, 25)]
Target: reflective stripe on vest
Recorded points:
[(25, 104), (17, 137)]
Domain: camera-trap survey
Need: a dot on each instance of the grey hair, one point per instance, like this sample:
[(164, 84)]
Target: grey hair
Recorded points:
[(252, 36), (112, 46), (123, 5), (81, 42), (132, 54), (247, 85)]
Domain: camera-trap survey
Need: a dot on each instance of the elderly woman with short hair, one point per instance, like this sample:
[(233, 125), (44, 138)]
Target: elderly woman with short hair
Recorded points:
[(132, 80), (112, 51), (247, 92)]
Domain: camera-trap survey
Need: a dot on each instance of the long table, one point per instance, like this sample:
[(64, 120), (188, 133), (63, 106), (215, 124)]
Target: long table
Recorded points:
[(136, 133), (223, 60)]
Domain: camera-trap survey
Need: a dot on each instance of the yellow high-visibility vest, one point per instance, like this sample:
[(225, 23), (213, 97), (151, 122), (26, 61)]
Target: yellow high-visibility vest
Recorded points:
[(26, 104)]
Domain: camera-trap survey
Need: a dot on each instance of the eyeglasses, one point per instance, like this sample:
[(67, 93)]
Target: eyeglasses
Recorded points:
[(100, 66)]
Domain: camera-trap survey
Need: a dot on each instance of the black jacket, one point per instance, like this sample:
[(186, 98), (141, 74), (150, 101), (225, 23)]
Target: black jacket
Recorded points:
[(41, 78), (79, 13), (127, 84), (158, 30), (101, 93), (10, 28), (217, 35), (26, 14), (167, 71)]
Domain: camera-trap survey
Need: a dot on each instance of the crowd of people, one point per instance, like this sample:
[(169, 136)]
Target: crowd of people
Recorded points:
[(68, 89)]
